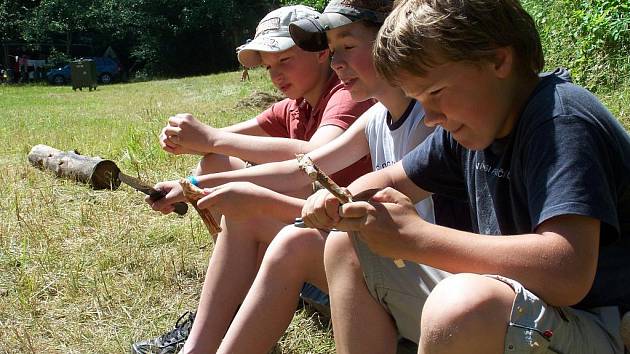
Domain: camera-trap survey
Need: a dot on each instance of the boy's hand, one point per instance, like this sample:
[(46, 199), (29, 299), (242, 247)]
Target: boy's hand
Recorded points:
[(169, 146), (388, 223), (238, 200), (184, 134), (321, 210), (174, 194)]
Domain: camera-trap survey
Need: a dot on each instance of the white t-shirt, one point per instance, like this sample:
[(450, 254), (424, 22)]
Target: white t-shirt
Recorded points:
[(390, 142)]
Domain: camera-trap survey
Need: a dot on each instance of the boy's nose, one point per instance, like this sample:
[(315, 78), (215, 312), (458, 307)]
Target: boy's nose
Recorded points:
[(336, 62), (275, 75), (433, 118)]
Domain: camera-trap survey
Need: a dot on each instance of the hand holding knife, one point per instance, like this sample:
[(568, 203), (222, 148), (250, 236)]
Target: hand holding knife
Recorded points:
[(180, 207)]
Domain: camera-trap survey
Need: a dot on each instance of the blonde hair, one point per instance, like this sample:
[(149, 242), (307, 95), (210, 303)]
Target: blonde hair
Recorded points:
[(419, 33)]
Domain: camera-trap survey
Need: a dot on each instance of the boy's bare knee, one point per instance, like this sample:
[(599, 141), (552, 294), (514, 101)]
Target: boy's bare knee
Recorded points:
[(213, 163), (293, 246), (206, 165), (258, 229), (338, 250), (465, 309)]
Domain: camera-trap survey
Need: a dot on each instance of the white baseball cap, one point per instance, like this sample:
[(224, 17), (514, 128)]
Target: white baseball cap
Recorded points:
[(272, 33)]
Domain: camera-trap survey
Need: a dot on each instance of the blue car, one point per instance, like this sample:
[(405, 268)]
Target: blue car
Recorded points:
[(107, 70)]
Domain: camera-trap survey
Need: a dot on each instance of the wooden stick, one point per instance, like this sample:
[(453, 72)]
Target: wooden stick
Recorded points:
[(308, 166), (193, 194)]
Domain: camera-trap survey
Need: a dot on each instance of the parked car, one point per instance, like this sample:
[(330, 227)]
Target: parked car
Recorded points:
[(107, 70)]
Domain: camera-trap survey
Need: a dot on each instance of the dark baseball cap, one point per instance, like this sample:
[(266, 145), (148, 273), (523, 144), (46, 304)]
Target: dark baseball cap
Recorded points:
[(310, 33)]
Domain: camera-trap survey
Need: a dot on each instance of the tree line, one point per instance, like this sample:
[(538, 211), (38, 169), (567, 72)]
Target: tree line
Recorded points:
[(155, 37), (192, 37)]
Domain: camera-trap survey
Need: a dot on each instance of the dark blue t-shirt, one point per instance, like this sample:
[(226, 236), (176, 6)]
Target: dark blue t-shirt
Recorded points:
[(567, 154)]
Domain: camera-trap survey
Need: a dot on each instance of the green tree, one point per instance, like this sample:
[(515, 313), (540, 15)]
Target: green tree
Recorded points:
[(316, 4), (165, 37)]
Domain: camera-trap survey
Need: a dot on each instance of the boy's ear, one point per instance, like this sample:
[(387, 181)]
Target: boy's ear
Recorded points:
[(323, 56), (503, 63)]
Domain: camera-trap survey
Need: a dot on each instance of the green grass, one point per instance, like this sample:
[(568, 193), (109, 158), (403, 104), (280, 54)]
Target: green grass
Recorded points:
[(84, 271)]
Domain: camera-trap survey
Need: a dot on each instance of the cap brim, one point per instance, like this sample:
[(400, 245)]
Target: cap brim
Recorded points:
[(309, 35), (330, 20), (249, 55)]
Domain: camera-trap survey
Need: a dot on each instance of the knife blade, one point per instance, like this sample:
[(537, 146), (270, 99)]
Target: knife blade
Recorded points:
[(180, 207)]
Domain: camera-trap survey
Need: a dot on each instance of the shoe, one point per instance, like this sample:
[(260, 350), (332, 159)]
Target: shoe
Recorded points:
[(316, 298), (168, 343)]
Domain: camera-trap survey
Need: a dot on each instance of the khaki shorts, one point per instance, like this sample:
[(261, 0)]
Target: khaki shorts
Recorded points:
[(535, 327), (401, 291)]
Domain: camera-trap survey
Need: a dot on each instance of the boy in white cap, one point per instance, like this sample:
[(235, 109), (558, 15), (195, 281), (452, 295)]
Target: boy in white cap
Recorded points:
[(317, 109)]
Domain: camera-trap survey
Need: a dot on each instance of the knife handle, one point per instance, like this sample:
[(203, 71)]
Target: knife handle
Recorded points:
[(181, 208)]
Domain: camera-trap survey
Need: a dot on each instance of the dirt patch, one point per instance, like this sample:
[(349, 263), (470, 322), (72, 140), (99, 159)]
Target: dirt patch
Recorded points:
[(259, 99)]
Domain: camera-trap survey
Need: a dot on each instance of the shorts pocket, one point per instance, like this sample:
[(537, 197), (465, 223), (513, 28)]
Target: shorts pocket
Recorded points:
[(524, 340)]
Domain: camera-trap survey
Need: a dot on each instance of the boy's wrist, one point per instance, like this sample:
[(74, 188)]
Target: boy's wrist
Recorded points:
[(193, 180), (211, 137)]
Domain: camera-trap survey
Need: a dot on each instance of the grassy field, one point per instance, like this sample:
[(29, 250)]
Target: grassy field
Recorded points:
[(84, 271)]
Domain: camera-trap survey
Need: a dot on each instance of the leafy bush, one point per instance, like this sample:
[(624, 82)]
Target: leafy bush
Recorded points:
[(316, 4), (590, 37), (57, 58)]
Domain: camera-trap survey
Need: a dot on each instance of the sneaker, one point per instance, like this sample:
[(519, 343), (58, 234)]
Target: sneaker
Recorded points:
[(316, 298), (168, 343)]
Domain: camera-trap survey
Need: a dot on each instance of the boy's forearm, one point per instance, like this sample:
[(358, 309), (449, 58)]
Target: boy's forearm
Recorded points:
[(278, 206), (558, 271), (283, 177), (258, 149)]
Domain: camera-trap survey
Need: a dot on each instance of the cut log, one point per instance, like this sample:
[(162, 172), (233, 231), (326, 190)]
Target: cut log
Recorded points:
[(95, 171)]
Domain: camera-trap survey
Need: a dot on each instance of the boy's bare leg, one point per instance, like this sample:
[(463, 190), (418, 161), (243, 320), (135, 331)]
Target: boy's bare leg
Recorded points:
[(213, 163), (293, 257), (360, 323), (466, 313), (230, 273)]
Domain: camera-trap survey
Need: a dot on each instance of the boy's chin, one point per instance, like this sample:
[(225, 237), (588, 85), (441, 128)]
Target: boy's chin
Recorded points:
[(359, 96), (472, 145), (292, 95)]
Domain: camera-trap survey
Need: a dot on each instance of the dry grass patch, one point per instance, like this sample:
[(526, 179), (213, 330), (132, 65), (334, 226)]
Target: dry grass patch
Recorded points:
[(84, 271)]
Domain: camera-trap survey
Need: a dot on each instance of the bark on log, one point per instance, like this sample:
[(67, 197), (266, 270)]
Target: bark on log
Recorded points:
[(95, 171)]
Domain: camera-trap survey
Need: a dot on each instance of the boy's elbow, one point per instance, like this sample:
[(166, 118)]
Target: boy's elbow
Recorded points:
[(573, 288), (569, 297)]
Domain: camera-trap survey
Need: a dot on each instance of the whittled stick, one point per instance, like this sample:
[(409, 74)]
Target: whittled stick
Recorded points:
[(308, 166), (193, 194)]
